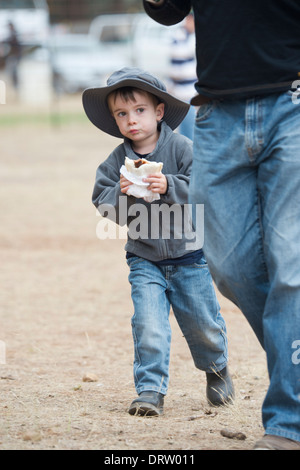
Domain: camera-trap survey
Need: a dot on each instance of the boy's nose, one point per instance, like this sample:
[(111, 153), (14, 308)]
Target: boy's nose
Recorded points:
[(131, 119)]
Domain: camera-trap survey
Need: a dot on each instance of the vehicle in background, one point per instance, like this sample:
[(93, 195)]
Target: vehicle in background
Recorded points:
[(136, 39), (30, 19), (79, 61)]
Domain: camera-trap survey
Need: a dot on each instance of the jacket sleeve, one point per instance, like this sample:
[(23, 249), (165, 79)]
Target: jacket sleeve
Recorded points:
[(107, 195), (170, 12), (178, 185)]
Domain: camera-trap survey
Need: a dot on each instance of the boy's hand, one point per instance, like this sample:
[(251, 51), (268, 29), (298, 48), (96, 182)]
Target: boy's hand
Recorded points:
[(157, 183), (124, 184)]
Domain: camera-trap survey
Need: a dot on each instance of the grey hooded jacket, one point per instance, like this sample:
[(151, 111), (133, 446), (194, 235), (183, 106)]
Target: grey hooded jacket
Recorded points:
[(161, 229)]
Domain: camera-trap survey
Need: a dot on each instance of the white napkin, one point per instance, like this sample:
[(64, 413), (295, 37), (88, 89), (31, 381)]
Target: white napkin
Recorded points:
[(139, 188)]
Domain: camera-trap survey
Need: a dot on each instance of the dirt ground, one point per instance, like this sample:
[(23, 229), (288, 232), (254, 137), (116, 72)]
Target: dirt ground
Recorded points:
[(65, 311)]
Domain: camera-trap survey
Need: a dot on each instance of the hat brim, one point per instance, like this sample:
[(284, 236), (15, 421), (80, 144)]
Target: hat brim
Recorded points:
[(96, 108)]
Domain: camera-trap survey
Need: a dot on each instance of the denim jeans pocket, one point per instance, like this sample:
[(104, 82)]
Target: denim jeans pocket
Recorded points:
[(133, 260), (205, 110), (200, 263)]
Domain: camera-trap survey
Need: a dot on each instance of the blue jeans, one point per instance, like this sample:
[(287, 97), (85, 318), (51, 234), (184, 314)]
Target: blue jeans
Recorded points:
[(247, 157), (187, 126), (189, 290)]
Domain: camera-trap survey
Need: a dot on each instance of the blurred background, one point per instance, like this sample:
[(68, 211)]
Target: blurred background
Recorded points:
[(56, 48)]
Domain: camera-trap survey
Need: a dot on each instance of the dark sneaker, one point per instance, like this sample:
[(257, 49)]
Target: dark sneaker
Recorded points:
[(219, 388), (270, 442), (147, 404)]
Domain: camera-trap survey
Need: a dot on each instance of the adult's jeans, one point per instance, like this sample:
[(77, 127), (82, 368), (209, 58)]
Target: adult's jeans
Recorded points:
[(246, 172), (190, 292)]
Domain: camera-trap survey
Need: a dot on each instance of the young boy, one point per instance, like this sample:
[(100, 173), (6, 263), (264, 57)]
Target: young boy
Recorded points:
[(164, 271)]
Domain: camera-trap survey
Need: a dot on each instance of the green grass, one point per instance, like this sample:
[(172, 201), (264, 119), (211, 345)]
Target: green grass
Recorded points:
[(52, 118)]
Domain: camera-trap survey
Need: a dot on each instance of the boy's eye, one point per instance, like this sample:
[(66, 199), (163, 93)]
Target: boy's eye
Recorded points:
[(121, 114), (140, 110)]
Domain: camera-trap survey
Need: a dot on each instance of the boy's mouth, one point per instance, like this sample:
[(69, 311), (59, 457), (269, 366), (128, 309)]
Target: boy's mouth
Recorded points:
[(133, 131)]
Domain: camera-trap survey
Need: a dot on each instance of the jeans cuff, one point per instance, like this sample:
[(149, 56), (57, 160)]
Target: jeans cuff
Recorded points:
[(213, 368), (283, 433), (163, 391)]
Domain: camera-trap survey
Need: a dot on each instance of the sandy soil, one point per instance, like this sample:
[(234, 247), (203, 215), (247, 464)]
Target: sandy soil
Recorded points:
[(65, 312)]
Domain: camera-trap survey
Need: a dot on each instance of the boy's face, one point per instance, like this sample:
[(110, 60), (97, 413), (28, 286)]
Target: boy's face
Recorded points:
[(137, 120)]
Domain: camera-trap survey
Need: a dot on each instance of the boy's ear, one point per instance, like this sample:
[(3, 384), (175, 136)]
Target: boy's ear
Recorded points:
[(160, 111)]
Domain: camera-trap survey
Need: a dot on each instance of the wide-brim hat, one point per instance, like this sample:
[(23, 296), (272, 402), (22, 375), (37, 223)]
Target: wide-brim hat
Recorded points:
[(96, 106)]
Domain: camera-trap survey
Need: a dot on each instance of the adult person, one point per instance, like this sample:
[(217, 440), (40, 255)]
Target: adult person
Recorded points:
[(247, 157), (14, 55)]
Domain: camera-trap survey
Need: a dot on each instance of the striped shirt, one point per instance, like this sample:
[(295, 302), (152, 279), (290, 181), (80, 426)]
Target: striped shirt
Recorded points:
[(182, 73)]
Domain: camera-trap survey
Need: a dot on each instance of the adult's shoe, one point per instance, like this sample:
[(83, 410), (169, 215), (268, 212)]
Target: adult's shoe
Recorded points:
[(270, 442)]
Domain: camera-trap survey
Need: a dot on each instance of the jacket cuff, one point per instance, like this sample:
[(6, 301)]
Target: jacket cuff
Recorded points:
[(169, 12)]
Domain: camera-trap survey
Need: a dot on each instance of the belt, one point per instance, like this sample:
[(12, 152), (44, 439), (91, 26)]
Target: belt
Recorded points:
[(200, 99)]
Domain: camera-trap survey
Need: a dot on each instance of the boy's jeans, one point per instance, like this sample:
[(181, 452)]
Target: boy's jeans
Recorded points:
[(189, 290), (187, 126), (247, 159)]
